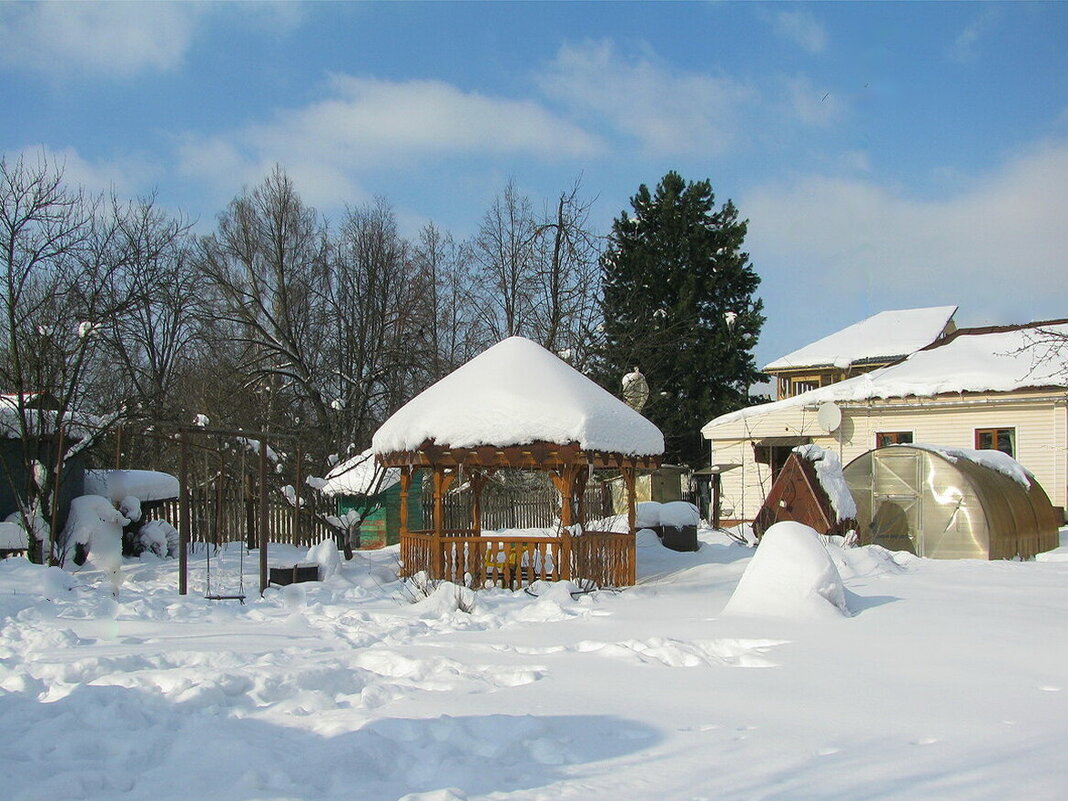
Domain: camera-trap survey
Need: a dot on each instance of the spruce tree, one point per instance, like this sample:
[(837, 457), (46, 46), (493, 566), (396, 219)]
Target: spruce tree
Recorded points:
[(678, 304)]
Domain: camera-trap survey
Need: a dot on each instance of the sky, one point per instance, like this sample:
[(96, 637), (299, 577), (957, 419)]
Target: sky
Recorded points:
[(886, 155)]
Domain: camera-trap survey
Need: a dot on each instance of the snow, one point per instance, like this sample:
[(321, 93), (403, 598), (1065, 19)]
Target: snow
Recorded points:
[(159, 537), (970, 361), (829, 474), (991, 459), (515, 393), (650, 514), (144, 485), (13, 535), (942, 686), (791, 576), (886, 335), (359, 475)]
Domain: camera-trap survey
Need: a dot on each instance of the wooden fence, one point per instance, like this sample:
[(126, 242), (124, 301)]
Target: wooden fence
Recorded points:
[(600, 558), (233, 519)]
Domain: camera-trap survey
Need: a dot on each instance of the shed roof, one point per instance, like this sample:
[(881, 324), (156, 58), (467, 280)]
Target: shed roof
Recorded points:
[(359, 476), (993, 359), (516, 393), (884, 336)]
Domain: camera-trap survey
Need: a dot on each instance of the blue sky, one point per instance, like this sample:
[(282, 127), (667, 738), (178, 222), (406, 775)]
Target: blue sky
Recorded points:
[(886, 155)]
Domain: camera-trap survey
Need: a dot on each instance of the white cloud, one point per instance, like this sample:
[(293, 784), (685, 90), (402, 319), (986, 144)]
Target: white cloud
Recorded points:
[(127, 178), (801, 28), (812, 105), (996, 247), (114, 39), (667, 111), (366, 124), (965, 47)]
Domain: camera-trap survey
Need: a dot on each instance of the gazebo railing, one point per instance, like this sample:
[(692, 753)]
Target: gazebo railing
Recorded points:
[(603, 558)]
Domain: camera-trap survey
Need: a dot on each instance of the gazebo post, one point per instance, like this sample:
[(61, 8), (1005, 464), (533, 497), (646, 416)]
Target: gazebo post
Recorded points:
[(405, 485), (477, 481), (439, 521), (628, 479)]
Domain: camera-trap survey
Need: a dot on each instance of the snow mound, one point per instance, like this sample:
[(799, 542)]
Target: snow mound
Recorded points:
[(790, 576), (326, 555)]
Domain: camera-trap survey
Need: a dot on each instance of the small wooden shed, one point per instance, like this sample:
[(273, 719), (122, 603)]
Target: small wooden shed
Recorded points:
[(359, 484), (803, 492), (517, 406)]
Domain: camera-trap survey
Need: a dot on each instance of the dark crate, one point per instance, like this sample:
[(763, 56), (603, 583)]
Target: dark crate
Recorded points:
[(294, 575), (679, 539)]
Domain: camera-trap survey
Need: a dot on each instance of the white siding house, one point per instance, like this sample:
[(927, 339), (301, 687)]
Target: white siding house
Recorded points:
[(993, 387)]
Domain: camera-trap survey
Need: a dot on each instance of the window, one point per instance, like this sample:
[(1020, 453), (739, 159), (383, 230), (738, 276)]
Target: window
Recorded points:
[(884, 438), (804, 385), (996, 439), (774, 451)]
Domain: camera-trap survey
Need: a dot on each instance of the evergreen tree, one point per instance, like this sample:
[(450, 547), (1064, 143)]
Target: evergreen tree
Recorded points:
[(678, 304)]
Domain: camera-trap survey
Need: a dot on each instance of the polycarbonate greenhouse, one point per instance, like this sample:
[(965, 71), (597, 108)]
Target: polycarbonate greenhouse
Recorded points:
[(949, 505)]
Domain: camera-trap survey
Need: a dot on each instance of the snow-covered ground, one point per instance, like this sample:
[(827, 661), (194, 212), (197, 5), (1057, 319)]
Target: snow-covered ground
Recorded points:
[(949, 681)]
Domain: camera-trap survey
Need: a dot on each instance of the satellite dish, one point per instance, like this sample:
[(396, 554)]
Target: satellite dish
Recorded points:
[(829, 417)]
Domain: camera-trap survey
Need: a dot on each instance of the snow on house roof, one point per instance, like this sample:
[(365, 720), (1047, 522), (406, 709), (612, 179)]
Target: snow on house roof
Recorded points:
[(1000, 359), (883, 336), (515, 393), (358, 476)]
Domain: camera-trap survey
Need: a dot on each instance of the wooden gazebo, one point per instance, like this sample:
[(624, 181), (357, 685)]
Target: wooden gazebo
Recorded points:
[(517, 406)]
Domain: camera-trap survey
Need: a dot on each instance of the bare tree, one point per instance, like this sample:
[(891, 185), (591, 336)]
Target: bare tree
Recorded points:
[(268, 261), (154, 340), (62, 257), (375, 314), (567, 299), (505, 253), (450, 327)]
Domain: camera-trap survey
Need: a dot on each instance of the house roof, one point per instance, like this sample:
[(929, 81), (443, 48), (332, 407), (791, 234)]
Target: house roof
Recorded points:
[(992, 359), (886, 336), (516, 393)]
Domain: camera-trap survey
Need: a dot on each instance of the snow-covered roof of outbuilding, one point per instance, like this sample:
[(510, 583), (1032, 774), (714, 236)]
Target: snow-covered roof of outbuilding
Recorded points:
[(995, 359), (359, 476), (883, 336), (516, 393)]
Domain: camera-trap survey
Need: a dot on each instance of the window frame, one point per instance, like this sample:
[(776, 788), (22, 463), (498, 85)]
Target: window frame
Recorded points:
[(994, 432), (898, 438)]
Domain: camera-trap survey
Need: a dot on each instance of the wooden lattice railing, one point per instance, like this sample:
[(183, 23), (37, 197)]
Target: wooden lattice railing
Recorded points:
[(605, 559)]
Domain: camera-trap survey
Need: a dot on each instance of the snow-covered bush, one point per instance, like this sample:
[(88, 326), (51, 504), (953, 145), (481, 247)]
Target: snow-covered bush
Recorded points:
[(96, 526), (158, 537)]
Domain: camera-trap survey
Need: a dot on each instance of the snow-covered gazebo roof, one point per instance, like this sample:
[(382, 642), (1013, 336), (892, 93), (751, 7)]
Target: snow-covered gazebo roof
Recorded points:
[(516, 394)]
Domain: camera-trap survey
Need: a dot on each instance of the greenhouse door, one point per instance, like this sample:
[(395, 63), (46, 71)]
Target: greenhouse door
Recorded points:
[(897, 522)]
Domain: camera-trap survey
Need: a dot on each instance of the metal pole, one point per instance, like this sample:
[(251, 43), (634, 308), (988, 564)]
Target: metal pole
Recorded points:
[(296, 505), (183, 516), (263, 516), (715, 499)]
